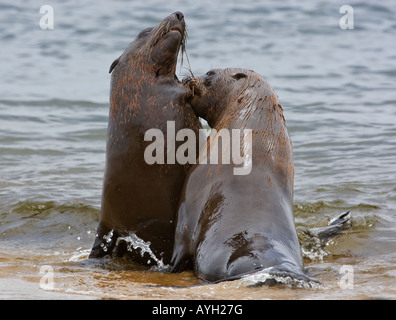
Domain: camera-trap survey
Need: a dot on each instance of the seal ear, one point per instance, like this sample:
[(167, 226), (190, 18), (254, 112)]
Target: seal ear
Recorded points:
[(115, 62), (239, 75)]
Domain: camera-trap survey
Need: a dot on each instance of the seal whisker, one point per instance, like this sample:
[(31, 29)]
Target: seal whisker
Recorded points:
[(184, 52)]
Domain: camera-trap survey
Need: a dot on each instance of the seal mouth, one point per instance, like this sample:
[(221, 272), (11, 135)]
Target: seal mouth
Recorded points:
[(176, 29), (193, 85), (167, 28)]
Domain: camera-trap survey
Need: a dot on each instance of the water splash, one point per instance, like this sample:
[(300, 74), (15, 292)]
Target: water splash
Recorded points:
[(311, 246), (133, 243), (267, 277), (79, 255), (107, 238)]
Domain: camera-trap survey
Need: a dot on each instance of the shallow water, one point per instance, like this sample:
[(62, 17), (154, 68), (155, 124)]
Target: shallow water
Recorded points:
[(337, 88)]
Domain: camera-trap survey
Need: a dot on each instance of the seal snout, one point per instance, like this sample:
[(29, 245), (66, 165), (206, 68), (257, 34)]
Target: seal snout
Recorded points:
[(178, 23), (178, 15)]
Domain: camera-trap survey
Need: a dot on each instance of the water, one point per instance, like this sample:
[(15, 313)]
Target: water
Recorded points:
[(337, 88)]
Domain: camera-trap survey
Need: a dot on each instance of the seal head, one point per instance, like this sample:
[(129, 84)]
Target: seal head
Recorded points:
[(155, 49)]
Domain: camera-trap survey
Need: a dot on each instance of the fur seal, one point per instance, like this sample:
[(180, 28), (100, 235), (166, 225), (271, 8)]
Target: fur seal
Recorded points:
[(140, 198), (231, 225)]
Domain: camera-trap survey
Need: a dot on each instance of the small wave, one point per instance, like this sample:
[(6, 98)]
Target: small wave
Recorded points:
[(38, 207), (49, 224), (79, 255), (267, 278), (318, 214), (53, 102), (335, 204)]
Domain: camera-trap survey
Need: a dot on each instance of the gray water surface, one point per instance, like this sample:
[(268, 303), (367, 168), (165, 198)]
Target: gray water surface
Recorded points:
[(337, 88)]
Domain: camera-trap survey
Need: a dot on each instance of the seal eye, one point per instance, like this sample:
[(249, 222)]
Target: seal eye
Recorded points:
[(208, 82), (144, 32), (238, 76)]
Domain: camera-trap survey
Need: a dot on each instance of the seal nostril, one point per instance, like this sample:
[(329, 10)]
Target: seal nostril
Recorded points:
[(179, 15)]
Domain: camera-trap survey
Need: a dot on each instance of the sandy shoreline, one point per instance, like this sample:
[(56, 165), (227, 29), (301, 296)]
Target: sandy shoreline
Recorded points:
[(18, 289)]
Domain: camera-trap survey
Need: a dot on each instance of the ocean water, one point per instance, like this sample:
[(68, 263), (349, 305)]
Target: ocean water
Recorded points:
[(338, 91)]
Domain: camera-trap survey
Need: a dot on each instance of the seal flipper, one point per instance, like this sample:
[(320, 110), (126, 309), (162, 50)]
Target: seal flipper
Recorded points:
[(343, 220), (334, 228)]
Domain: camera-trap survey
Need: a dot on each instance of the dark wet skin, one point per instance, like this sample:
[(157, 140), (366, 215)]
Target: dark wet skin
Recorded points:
[(145, 94), (230, 225)]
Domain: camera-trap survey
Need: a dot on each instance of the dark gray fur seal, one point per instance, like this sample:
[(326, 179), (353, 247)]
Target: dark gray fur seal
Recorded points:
[(231, 225), (141, 199)]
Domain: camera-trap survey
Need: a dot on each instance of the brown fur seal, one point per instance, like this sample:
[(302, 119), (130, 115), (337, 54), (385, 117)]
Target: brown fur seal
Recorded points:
[(230, 224), (141, 199)]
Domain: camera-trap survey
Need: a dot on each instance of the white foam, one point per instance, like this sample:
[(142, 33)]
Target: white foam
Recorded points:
[(134, 243), (266, 276)]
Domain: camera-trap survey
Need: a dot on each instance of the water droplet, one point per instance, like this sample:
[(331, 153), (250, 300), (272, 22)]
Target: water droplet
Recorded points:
[(134, 243)]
